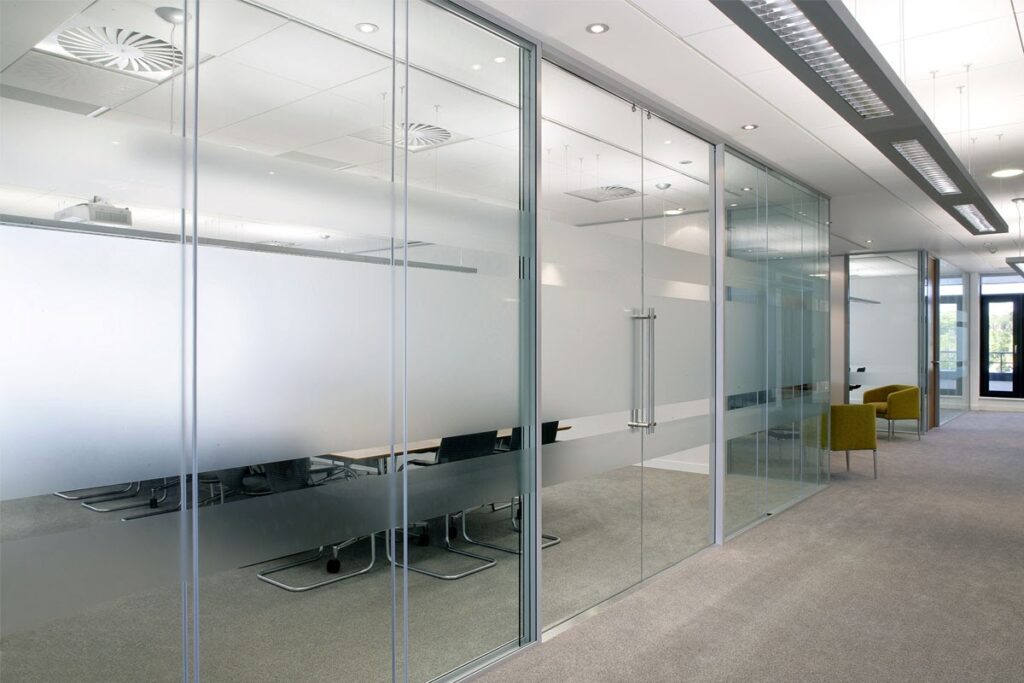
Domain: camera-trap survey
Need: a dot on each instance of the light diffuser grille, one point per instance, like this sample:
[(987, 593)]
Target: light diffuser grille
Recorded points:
[(791, 25), (974, 217), (923, 162)]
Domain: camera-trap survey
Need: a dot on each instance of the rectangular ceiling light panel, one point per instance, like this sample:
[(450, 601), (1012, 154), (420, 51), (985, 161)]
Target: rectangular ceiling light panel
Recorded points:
[(974, 217), (923, 162), (791, 25), (1017, 263)]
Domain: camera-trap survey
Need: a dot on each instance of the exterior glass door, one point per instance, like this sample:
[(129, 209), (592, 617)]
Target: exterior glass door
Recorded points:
[(1001, 323)]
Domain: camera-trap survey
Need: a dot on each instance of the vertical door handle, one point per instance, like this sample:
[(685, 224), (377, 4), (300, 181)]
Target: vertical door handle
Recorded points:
[(643, 416), (649, 417), (636, 372)]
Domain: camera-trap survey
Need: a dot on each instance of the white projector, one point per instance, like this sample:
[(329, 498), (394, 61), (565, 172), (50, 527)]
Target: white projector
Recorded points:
[(99, 210)]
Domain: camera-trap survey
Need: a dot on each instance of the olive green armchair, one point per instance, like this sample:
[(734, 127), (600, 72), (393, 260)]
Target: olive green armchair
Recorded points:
[(896, 402), (853, 429)]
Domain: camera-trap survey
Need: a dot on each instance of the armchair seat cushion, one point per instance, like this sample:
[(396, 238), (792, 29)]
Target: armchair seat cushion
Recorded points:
[(881, 408)]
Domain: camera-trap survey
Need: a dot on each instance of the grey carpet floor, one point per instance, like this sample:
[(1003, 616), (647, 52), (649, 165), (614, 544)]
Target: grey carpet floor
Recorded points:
[(255, 632), (918, 576)]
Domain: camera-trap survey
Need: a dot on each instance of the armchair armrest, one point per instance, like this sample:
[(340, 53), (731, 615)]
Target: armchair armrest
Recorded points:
[(879, 394), (905, 404)]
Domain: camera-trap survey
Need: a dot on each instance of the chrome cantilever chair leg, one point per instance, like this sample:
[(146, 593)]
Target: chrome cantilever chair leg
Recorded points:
[(95, 492), (551, 540), (265, 575), (488, 561), (874, 455), (92, 503)]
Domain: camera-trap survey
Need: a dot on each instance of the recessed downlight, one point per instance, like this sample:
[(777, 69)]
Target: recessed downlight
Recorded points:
[(749, 126), (367, 27), (663, 186), (685, 161), (476, 67), (1007, 173), (734, 205), (674, 212), (500, 60), (867, 241), (746, 189), (597, 28)]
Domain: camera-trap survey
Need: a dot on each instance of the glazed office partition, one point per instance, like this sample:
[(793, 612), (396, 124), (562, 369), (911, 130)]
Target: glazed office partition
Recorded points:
[(250, 276), (776, 342)]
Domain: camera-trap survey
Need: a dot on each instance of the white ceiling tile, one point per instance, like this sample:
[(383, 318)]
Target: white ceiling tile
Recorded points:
[(733, 50), (684, 17), (308, 56), (228, 92)]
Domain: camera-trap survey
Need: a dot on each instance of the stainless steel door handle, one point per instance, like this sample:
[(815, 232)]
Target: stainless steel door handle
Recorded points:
[(651, 421)]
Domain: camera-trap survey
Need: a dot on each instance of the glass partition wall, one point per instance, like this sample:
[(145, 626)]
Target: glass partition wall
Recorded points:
[(271, 342), (626, 334), (269, 388), (776, 342)]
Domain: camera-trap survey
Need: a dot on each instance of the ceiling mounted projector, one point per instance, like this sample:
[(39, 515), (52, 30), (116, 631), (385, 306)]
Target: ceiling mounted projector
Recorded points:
[(99, 210)]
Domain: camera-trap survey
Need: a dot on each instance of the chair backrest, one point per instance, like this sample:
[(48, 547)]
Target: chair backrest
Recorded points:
[(287, 475), (853, 427), (548, 434), (466, 446), (905, 404)]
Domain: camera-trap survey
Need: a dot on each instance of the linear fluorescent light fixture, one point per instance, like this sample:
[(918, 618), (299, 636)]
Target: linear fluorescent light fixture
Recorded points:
[(821, 43), (923, 162), (1017, 263), (794, 28), (974, 217)]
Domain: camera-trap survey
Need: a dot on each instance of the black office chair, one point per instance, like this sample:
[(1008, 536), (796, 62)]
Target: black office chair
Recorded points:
[(548, 434), (455, 449)]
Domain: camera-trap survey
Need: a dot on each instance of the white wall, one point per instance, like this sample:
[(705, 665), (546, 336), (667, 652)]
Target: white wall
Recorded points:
[(884, 336)]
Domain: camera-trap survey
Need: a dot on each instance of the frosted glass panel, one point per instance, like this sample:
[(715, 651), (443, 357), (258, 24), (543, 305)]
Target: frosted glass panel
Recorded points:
[(91, 350)]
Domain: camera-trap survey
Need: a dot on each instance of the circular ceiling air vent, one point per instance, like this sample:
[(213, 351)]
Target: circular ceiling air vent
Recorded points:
[(616, 191), (119, 48), (427, 135)]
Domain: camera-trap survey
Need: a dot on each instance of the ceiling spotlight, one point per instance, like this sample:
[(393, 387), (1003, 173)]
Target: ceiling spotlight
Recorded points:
[(749, 126), (172, 15), (746, 189), (663, 186), (1007, 173), (668, 142), (475, 67), (500, 60), (734, 204), (867, 241), (367, 27), (685, 161), (271, 172), (674, 212), (597, 28)]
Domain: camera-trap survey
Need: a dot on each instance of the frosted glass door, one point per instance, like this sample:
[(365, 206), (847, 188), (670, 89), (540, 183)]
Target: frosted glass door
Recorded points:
[(677, 281), (590, 231)]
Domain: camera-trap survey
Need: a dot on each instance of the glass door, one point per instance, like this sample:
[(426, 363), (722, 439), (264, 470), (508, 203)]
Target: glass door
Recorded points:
[(592, 344), (1001, 323), (678, 320)]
